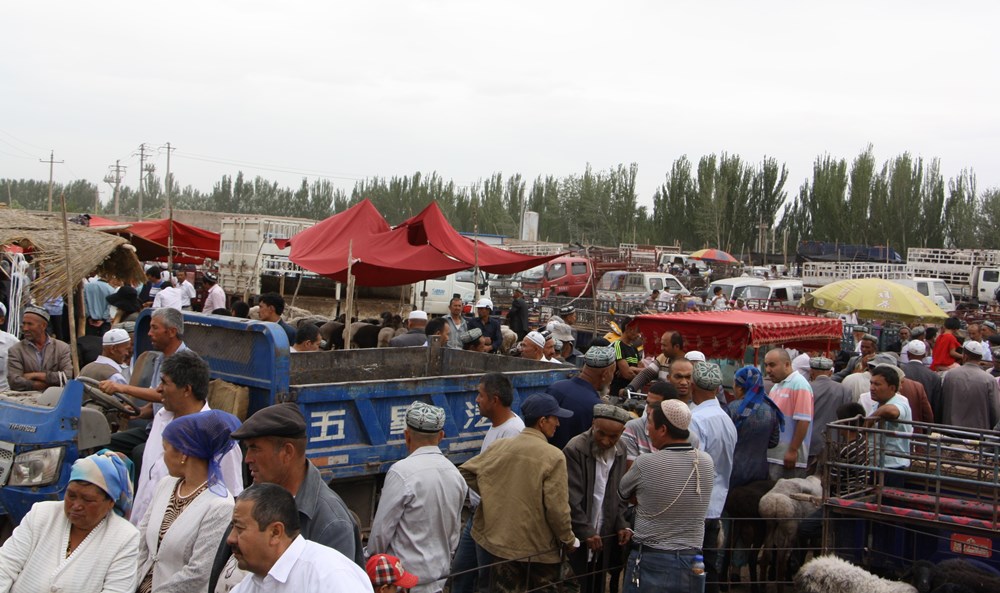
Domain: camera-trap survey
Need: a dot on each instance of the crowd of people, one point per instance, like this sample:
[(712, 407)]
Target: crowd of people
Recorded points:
[(572, 489)]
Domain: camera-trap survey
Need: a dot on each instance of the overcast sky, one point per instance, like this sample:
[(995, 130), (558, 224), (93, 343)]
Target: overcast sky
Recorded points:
[(349, 90)]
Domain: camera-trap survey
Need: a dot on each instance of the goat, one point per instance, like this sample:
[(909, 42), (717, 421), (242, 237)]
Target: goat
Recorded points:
[(743, 506), (783, 512), (954, 575)]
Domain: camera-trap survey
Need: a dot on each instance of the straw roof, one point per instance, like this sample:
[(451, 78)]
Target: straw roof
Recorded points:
[(90, 252)]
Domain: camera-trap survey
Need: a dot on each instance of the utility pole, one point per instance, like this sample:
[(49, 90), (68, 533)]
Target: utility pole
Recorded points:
[(167, 183), (144, 170), (51, 162), (97, 200), (116, 180)]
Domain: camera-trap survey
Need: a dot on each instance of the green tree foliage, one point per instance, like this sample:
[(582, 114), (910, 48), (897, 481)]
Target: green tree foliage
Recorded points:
[(720, 201)]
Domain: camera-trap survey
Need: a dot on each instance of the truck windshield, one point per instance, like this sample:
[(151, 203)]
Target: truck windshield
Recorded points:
[(612, 281), (533, 274), (752, 292)]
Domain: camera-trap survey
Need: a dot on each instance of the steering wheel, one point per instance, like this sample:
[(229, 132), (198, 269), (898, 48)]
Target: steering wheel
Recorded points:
[(116, 401)]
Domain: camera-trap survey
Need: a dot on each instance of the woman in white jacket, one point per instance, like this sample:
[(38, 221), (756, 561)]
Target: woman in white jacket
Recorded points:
[(81, 544), (190, 510)]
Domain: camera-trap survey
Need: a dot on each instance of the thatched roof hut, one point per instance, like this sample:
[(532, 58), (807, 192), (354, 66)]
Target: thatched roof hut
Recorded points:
[(90, 252)]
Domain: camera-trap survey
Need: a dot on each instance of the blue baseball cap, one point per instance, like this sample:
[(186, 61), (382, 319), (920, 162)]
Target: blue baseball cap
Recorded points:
[(543, 404)]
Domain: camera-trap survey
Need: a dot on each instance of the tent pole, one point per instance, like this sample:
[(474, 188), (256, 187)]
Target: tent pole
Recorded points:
[(170, 241), (74, 354), (350, 296)]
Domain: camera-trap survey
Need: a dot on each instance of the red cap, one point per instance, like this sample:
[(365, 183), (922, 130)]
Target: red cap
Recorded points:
[(384, 569)]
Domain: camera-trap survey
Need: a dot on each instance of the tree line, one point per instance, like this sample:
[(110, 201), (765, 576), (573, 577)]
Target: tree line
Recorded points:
[(720, 201)]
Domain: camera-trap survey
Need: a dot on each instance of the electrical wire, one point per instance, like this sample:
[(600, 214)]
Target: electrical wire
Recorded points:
[(262, 166)]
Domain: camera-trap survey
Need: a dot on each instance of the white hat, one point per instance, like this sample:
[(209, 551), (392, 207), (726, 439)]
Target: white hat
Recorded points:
[(695, 356), (537, 338), (421, 315), (3, 310), (974, 348), (484, 303), (116, 336), (916, 348)]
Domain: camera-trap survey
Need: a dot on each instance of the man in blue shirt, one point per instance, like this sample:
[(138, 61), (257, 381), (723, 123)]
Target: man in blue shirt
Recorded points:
[(269, 308), (581, 393), (486, 324)]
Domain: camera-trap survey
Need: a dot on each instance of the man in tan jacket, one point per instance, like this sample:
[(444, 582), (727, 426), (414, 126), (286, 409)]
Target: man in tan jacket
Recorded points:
[(523, 521), (34, 363)]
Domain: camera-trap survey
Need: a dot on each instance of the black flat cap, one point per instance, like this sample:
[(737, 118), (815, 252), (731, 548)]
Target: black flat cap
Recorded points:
[(279, 420)]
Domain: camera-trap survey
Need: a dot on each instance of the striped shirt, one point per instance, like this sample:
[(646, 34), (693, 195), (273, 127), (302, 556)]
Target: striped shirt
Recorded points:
[(672, 488)]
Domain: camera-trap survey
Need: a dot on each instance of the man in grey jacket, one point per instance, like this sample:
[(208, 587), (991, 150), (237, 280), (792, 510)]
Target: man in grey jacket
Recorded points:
[(35, 362)]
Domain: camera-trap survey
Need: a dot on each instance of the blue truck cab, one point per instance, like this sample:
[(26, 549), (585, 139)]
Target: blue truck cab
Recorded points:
[(353, 401)]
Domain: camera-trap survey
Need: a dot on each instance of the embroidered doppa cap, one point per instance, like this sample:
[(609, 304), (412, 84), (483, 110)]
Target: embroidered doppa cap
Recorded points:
[(384, 569), (820, 363), (470, 336), (677, 412), (611, 413), (567, 310), (599, 357), (707, 375), (37, 311), (423, 417)]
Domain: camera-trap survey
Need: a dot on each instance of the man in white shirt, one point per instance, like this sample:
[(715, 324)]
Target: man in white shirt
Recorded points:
[(6, 341), (266, 542), (187, 289), (216, 298), (419, 517), (184, 388), (169, 296)]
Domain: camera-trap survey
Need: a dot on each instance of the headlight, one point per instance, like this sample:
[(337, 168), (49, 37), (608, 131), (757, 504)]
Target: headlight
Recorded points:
[(36, 468)]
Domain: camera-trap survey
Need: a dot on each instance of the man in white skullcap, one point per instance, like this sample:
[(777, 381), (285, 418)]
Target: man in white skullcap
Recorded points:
[(419, 517), (117, 347), (415, 336)]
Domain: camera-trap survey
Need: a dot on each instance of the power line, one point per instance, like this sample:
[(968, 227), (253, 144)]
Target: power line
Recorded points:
[(264, 167), (8, 134), (18, 148), (17, 156)]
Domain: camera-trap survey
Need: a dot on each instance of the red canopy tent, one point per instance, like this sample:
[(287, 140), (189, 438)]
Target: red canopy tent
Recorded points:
[(151, 237), (423, 247), (99, 221), (430, 227), (728, 334)]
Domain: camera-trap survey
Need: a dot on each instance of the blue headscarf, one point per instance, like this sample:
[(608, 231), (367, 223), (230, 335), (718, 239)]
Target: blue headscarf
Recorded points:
[(109, 472), (751, 382), (204, 435)]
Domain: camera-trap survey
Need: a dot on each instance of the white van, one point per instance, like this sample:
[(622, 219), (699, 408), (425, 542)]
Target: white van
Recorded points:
[(441, 290), (933, 288), (734, 288), (779, 292), (636, 286)]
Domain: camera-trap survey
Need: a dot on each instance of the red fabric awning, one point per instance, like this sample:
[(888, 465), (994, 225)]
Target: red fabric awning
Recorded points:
[(151, 237), (99, 221), (727, 334), (430, 227), (420, 248), (381, 258)]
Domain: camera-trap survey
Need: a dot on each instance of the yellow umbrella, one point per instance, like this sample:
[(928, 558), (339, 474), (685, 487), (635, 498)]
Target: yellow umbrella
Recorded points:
[(875, 298)]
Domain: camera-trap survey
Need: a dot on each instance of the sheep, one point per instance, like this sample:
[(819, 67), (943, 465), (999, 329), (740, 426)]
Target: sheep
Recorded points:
[(743, 506), (954, 575), (830, 574), (784, 507)]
